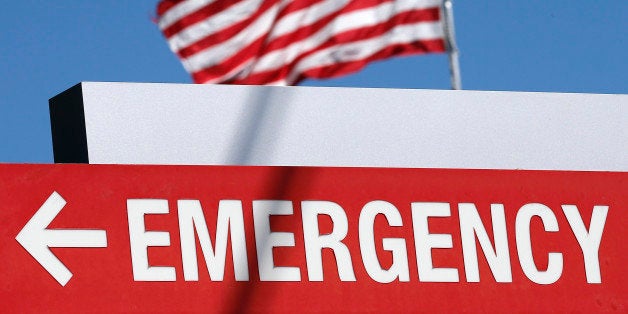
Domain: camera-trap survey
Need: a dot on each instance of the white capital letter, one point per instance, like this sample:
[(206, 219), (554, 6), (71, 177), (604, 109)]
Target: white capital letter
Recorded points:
[(315, 242), (141, 239), (399, 267), (470, 227), (266, 240), (424, 242), (229, 219), (524, 244), (589, 240)]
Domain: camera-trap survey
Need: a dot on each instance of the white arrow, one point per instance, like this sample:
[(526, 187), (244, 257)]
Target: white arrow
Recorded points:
[(38, 240)]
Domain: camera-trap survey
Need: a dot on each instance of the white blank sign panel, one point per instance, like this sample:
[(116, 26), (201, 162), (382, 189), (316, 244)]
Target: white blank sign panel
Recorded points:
[(140, 123)]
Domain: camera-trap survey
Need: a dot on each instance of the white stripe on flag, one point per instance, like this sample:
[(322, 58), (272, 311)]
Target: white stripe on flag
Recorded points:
[(363, 49), (213, 24), (306, 16), (181, 10), (244, 67), (215, 54)]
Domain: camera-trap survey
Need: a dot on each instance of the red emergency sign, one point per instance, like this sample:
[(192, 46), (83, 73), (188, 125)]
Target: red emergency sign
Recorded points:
[(288, 239)]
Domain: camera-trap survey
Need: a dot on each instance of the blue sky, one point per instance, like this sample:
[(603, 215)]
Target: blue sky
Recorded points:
[(533, 45)]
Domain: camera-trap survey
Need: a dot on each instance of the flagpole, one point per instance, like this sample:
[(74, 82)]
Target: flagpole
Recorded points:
[(452, 48)]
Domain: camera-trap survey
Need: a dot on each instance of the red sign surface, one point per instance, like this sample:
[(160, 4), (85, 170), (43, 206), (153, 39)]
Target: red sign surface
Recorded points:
[(287, 239)]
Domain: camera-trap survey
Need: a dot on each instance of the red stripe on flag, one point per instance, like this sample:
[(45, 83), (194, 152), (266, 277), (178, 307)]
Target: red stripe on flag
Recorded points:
[(197, 16), (343, 68), (166, 5), (297, 5), (308, 30), (233, 62), (339, 69), (423, 15), (218, 37)]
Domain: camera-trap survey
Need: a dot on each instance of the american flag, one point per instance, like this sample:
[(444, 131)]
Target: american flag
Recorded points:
[(281, 42)]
